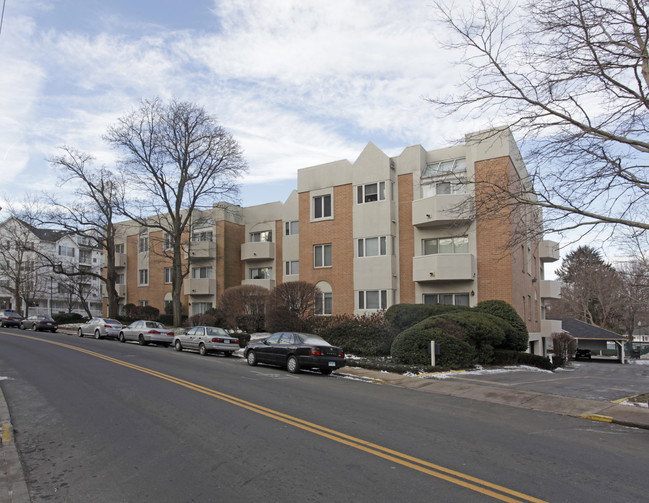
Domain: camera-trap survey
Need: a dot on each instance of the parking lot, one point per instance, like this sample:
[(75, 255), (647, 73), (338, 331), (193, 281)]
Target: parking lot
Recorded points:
[(594, 380)]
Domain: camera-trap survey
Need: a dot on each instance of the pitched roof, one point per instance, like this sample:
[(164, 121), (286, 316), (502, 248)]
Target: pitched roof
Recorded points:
[(582, 330)]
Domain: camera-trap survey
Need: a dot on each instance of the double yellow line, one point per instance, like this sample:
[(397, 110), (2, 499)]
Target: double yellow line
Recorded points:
[(475, 484)]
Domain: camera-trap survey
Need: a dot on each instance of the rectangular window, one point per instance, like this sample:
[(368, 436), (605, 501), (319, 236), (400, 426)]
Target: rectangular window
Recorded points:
[(167, 242), (119, 279), (143, 244), (372, 247), (119, 248), (437, 168), (66, 251), (198, 236), (85, 256), (322, 256), (324, 303), (456, 299), (143, 303), (292, 267), (168, 274), (373, 299), (261, 273), (261, 237), (201, 307), (143, 277), (292, 228), (370, 193), (322, 206), (454, 186), (202, 272), (433, 246)]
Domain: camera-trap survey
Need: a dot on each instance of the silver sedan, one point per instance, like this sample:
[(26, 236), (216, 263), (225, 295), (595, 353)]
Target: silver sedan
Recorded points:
[(144, 331), (101, 327), (207, 340)]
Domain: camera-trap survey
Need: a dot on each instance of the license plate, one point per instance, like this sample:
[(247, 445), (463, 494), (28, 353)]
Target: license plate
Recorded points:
[(227, 341), (332, 364)]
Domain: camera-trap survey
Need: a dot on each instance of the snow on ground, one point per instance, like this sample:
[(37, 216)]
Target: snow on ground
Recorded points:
[(480, 371)]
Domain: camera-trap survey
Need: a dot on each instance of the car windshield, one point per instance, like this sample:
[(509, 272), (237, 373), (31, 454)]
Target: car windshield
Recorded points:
[(112, 322), (154, 324), (216, 331), (312, 339)]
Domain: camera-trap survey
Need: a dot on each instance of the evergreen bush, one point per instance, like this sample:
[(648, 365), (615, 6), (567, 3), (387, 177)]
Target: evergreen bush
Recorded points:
[(509, 357), (517, 337), (403, 316), (65, 318), (360, 339)]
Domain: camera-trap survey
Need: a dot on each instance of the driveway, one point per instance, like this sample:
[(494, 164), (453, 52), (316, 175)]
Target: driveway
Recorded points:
[(594, 380)]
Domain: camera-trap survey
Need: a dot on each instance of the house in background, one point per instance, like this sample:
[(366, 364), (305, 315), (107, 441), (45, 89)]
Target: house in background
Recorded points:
[(369, 234), (594, 338)]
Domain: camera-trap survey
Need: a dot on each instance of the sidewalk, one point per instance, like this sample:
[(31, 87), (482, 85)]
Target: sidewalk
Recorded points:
[(608, 412), (13, 488)]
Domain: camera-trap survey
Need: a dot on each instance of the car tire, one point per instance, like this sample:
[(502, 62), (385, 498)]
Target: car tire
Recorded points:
[(326, 371), (121, 337), (292, 364), (79, 333), (178, 346), (97, 334), (141, 341), (34, 327), (251, 358), (202, 350), (22, 327)]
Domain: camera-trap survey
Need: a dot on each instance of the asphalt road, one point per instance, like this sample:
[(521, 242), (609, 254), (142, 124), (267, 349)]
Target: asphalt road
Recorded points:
[(99, 421)]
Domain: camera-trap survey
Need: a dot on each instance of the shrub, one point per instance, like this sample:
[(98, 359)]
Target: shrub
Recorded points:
[(64, 318), (168, 319), (509, 357), (403, 316), (360, 338), (516, 337), (410, 347)]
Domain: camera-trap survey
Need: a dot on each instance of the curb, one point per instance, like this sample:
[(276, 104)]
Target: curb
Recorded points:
[(13, 488)]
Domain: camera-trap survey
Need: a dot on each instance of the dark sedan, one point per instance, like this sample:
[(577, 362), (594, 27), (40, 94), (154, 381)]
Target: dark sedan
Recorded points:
[(10, 319), (296, 351), (39, 322)]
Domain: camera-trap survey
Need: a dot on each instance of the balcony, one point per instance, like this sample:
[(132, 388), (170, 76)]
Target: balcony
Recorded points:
[(121, 291), (120, 260), (441, 210), (200, 250), (548, 251), (269, 284), (199, 286), (258, 251), (550, 289), (444, 267)]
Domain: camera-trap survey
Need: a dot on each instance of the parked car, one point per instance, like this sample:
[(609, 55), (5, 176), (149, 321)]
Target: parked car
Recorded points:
[(207, 340), (582, 353), (144, 332), (39, 322), (10, 319), (296, 351), (101, 327)]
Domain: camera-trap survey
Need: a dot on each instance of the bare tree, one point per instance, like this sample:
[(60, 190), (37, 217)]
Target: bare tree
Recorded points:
[(572, 77), (244, 307), (635, 309), (177, 158), (99, 193), (291, 306)]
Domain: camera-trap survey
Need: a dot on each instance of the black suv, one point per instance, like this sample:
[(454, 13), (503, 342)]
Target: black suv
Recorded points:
[(582, 353)]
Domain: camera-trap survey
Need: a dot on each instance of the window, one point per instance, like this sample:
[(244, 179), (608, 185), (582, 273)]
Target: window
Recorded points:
[(322, 256), (437, 168), (202, 272), (453, 299), (324, 303), (371, 192), (202, 236), (292, 228), (143, 303), (372, 247), (143, 244), (85, 256), (322, 206), (168, 274), (445, 245), (66, 251), (261, 237), (167, 242), (119, 279), (456, 186), (201, 307), (373, 299), (261, 273), (143, 277), (292, 267), (119, 248)]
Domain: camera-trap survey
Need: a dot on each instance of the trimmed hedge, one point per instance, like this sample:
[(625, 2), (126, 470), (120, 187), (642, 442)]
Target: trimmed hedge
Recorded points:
[(65, 318), (360, 339), (517, 337), (403, 316), (509, 357)]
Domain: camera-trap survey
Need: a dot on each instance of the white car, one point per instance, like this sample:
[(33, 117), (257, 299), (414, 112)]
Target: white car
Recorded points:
[(101, 327), (206, 340), (144, 331)]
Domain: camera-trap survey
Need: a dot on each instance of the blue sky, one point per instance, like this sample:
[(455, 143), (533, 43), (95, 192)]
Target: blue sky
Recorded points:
[(297, 82)]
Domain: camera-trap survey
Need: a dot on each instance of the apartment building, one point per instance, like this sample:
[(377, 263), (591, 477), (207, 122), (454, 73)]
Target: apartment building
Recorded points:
[(27, 255), (370, 234)]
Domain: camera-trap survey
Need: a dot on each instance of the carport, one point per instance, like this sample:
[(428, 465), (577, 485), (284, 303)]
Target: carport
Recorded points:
[(593, 337)]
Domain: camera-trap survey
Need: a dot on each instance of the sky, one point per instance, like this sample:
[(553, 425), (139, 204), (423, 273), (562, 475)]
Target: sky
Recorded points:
[(297, 83)]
